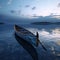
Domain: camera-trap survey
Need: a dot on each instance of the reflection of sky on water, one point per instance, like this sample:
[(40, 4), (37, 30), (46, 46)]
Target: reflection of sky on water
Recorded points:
[(51, 39), (49, 36), (53, 35)]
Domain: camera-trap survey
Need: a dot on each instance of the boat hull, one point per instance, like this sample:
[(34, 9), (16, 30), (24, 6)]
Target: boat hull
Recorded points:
[(25, 34)]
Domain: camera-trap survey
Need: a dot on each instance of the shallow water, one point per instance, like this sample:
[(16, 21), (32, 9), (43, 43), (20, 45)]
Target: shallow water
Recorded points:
[(49, 35)]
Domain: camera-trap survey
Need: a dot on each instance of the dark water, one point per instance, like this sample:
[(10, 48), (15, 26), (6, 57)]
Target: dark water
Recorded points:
[(10, 49)]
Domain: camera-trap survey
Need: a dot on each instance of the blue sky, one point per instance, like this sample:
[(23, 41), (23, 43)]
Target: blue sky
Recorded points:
[(29, 8)]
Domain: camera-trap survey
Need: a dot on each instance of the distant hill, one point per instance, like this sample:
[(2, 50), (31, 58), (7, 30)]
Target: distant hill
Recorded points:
[(46, 23)]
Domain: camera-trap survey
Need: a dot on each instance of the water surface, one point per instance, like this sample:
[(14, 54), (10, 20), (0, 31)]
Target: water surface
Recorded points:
[(49, 35)]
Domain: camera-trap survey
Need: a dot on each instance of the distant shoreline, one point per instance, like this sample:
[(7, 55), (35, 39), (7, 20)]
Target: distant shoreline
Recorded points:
[(46, 23), (1, 23)]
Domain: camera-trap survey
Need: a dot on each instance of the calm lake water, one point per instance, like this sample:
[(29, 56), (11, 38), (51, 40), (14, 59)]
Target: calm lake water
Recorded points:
[(49, 35)]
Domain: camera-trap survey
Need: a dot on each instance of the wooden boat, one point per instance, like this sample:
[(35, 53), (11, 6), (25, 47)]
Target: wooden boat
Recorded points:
[(25, 34), (28, 36)]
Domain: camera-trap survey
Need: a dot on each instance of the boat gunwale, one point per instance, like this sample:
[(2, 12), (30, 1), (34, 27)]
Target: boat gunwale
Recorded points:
[(23, 32)]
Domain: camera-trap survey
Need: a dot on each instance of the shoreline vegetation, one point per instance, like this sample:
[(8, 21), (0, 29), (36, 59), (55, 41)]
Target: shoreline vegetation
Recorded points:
[(46, 23)]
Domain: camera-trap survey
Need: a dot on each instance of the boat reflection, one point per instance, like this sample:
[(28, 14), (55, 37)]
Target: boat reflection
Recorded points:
[(27, 46)]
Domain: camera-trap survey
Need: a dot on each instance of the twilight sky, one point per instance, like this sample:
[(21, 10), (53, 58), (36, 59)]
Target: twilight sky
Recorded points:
[(29, 8)]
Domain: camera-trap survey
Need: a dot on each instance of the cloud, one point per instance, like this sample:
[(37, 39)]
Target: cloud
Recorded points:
[(9, 2), (33, 8), (17, 12), (58, 4), (55, 15), (34, 15), (27, 6), (12, 11)]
